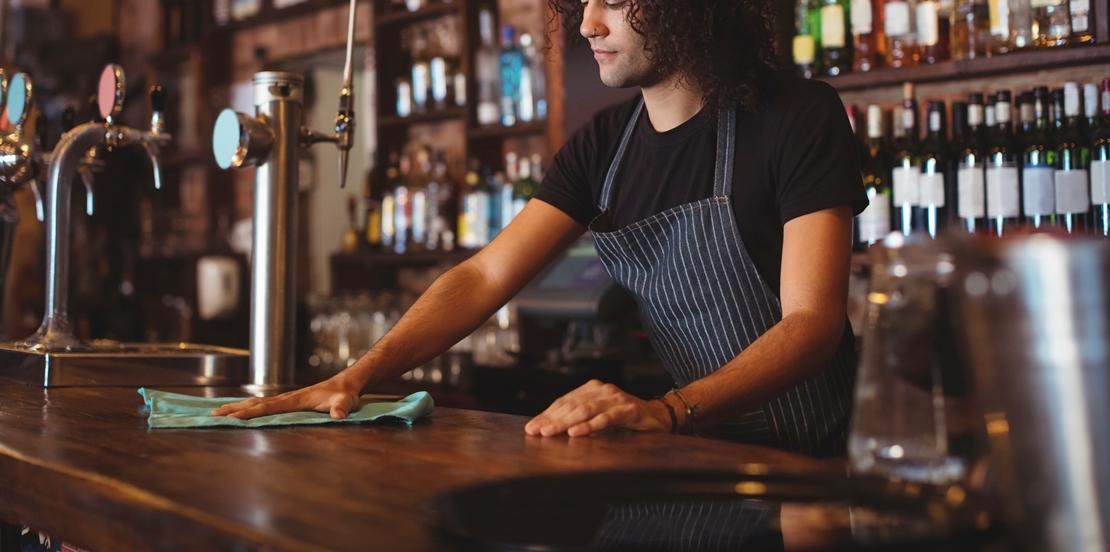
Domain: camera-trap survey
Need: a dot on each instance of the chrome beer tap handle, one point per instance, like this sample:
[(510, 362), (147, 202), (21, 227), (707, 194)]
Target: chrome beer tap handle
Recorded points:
[(345, 118)]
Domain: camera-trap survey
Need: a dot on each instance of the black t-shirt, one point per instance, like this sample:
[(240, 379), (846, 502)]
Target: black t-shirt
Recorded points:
[(794, 156)]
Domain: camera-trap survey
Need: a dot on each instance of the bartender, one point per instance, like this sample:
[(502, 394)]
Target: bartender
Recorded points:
[(721, 197)]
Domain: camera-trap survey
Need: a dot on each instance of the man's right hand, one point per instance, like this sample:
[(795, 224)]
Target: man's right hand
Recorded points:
[(335, 396)]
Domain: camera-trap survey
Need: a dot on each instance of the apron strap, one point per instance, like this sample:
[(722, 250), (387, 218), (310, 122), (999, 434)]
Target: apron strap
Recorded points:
[(607, 189), (726, 152)]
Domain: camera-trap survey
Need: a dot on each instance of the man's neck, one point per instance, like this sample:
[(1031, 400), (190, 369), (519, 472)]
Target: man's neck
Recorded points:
[(671, 103)]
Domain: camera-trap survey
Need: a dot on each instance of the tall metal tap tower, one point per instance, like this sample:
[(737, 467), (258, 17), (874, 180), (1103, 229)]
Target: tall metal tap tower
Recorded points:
[(271, 141)]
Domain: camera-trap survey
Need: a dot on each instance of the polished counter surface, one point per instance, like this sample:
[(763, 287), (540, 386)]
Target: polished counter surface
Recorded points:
[(81, 464)]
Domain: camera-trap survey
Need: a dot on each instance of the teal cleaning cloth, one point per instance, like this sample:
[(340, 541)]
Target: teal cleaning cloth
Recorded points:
[(175, 410)]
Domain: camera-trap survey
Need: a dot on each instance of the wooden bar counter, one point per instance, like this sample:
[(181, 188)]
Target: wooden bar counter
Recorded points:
[(81, 464)]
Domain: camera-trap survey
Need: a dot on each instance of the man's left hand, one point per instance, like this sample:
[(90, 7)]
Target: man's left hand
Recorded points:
[(596, 406)]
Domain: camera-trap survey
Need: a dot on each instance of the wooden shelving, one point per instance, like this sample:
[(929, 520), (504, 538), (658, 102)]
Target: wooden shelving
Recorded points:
[(499, 132), (418, 118), (1025, 62), (270, 14), (429, 11), (412, 258)]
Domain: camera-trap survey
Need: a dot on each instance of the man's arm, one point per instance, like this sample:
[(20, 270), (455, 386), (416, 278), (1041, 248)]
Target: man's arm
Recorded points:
[(453, 307), (816, 258)]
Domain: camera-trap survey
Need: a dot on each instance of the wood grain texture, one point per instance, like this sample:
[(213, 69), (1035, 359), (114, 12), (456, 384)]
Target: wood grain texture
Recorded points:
[(80, 464)]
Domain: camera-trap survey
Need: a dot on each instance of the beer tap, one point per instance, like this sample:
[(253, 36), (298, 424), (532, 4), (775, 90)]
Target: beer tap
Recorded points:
[(271, 141), (66, 161)]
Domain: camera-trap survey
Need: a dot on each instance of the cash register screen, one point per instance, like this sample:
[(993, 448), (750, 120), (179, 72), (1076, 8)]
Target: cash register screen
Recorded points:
[(578, 268)]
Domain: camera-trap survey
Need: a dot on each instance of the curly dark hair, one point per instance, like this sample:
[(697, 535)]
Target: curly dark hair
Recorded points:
[(726, 48)]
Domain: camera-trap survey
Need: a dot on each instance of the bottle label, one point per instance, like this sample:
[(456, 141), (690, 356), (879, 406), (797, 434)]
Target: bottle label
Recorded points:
[(874, 221), (1100, 182), (974, 115), (906, 188), (804, 49), (1071, 192), (488, 113), (934, 121), (861, 17), (1000, 18), (932, 190), (928, 33), (970, 184), (1002, 192), (1002, 112), (832, 26), (1038, 190), (896, 20), (1045, 3)]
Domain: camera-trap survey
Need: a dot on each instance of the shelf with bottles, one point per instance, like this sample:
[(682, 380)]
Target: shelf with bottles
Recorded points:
[(856, 44), (234, 15), (388, 121), (424, 78), (500, 132), (1027, 61), (1016, 160)]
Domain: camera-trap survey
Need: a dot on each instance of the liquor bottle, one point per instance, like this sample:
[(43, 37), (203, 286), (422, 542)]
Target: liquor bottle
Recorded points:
[(934, 157), (874, 222), (971, 32), (487, 70), (868, 40), (421, 72), (474, 211), (389, 202), (1000, 25), (1073, 157), (511, 63), (350, 234), (437, 69), (1002, 170), (1081, 30), (372, 193), (989, 120), (906, 170), (1100, 167), (538, 82), (837, 54), (932, 26), (418, 194), (1039, 167), (805, 40), (439, 197), (524, 187), (1021, 23), (402, 207), (1051, 23), (901, 37), (971, 178)]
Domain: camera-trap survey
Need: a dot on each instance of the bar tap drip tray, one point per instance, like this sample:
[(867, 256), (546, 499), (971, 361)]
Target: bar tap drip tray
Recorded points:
[(754, 511), (113, 364)]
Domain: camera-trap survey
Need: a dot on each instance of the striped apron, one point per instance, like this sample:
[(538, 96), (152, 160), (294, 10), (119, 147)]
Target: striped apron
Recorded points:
[(702, 302)]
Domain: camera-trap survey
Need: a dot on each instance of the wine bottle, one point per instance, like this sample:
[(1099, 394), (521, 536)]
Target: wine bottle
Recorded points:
[(1090, 110), (488, 71), (874, 222), (1000, 16), (421, 73), (971, 178), (1100, 167), (866, 18), (934, 157), (1038, 172), (1027, 120), (906, 170), (901, 36), (1073, 157), (1003, 184), (402, 208), (511, 63), (836, 52), (806, 59), (1081, 30)]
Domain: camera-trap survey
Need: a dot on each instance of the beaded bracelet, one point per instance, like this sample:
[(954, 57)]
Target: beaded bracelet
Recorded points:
[(670, 410), (690, 425)]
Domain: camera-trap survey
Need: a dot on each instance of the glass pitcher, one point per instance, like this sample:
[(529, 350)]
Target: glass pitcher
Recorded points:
[(914, 418)]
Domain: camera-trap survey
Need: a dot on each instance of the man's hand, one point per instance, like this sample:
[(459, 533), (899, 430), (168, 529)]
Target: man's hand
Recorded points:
[(335, 396), (596, 406)]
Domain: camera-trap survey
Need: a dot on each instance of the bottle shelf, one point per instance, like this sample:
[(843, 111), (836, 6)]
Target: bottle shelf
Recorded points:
[(418, 118), (1024, 62), (429, 11), (368, 258), (499, 131)]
